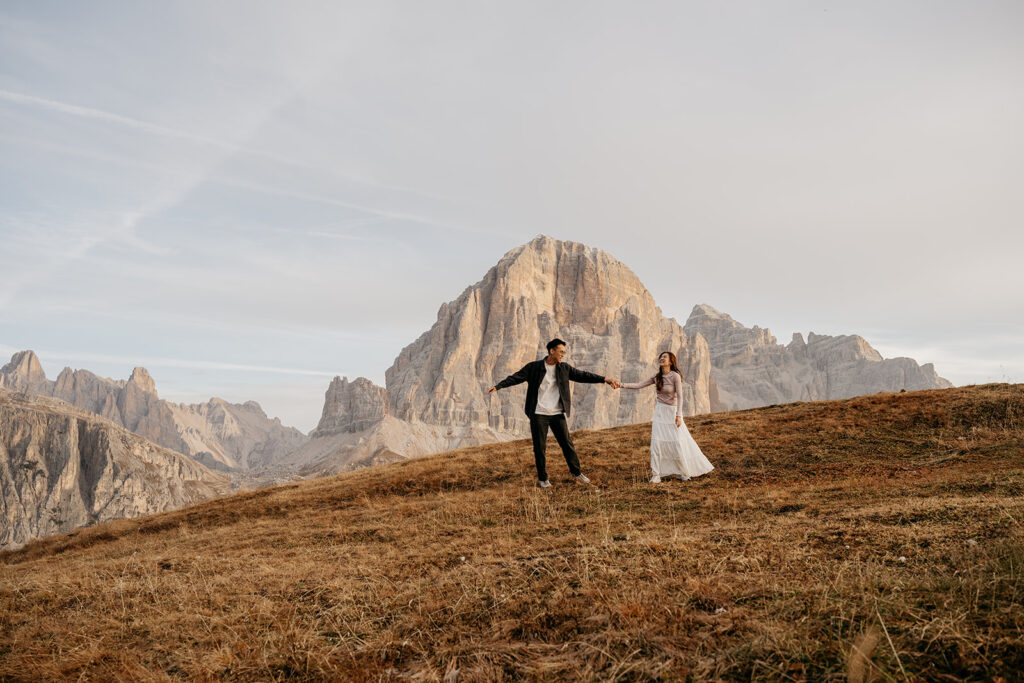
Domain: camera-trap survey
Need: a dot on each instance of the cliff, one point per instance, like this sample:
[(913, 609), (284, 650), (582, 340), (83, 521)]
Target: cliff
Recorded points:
[(63, 468)]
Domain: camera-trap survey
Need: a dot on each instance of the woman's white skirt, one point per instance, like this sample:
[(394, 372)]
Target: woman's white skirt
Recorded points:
[(673, 450)]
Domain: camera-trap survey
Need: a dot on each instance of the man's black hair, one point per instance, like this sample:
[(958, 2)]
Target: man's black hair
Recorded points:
[(553, 343)]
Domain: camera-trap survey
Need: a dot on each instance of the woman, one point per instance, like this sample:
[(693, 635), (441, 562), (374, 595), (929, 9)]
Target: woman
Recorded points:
[(673, 450)]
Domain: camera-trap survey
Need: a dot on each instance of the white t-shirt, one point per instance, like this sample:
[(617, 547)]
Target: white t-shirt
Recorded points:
[(548, 398)]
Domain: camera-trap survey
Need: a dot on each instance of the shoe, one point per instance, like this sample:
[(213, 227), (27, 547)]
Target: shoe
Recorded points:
[(544, 484), (682, 478), (582, 478), (655, 479)]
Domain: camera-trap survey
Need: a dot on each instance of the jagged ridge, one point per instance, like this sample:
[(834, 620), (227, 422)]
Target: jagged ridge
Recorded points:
[(222, 435), (750, 369)]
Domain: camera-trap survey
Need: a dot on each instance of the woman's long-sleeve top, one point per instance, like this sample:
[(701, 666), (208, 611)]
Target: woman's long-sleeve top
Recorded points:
[(671, 393)]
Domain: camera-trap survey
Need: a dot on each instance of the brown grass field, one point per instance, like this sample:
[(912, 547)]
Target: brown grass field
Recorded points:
[(875, 538)]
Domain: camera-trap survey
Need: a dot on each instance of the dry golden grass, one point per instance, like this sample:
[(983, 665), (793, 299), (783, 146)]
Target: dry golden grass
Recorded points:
[(877, 538)]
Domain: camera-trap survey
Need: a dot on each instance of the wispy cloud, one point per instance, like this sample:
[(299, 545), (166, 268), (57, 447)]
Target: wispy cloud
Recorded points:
[(154, 362), (66, 253), (176, 133), (130, 122), (91, 154), (327, 232), (378, 212), (101, 115), (344, 203), (118, 229), (124, 228), (316, 329)]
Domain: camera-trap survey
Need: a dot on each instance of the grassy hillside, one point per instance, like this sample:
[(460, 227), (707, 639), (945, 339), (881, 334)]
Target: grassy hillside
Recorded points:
[(872, 538)]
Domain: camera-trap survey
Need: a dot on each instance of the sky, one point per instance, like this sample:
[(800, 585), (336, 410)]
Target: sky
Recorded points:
[(249, 198)]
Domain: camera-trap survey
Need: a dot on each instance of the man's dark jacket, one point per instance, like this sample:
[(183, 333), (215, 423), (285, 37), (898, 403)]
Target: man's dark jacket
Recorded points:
[(533, 375)]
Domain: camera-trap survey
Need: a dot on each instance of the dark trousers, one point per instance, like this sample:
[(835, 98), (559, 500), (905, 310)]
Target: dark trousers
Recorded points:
[(539, 425)]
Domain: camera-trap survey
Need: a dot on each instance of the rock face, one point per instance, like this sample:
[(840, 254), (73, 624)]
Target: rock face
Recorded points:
[(62, 468), (750, 369), (351, 407), (24, 374), (222, 435), (233, 436), (541, 290)]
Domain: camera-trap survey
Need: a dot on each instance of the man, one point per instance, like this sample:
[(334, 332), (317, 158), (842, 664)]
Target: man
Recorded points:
[(548, 404)]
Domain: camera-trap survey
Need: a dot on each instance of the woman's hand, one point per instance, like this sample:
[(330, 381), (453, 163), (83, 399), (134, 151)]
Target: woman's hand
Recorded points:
[(679, 421)]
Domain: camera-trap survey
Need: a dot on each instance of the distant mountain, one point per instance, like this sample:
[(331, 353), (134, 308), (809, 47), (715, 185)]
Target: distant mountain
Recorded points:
[(750, 369), (351, 407), (357, 430), (225, 436), (62, 468)]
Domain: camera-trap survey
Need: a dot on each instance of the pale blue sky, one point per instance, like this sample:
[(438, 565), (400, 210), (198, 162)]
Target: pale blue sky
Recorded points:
[(249, 198)]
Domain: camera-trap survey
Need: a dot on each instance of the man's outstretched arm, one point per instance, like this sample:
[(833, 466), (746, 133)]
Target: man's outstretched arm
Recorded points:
[(590, 378), (515, 378)]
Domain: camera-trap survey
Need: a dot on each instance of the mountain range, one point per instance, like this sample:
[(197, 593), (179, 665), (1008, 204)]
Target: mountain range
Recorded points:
[(435, 395), (750, 369), (224, 436)]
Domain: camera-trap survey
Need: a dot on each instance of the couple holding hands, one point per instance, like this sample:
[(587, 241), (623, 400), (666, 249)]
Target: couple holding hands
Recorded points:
[(549, 402)]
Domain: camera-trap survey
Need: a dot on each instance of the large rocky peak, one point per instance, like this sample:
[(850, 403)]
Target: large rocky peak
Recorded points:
[(143, 381), (750, 369), (351, 406), (544, 289), (24, 373)]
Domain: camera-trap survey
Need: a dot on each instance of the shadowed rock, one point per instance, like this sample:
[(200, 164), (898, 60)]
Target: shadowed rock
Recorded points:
[(351, 406), (62, 468)]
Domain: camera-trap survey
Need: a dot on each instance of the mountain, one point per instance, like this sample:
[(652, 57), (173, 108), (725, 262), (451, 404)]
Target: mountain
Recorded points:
[(873, 538), (62, 468), (225, 436), (544, 289), (436, 389), (750, 369), (351, 407)]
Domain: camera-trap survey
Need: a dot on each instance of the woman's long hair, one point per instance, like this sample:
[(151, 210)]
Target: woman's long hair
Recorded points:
[(658, 380)]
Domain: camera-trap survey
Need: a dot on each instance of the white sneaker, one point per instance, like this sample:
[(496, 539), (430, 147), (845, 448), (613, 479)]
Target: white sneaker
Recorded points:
[(582, 478), (683, 478), (655, 479), (544, 484)]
